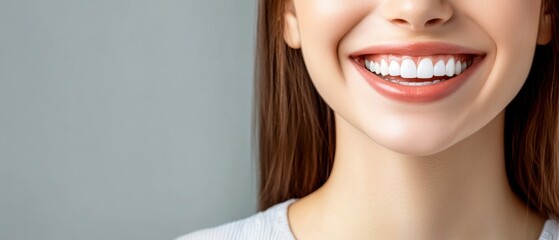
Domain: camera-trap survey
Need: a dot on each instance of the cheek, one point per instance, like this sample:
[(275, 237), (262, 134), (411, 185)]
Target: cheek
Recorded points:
[(511, 24), (328, 20), (513, 32), (323, 24), (506, 19)]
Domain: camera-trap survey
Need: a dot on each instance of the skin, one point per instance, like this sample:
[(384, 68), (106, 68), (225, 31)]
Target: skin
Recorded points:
[(416, 171)]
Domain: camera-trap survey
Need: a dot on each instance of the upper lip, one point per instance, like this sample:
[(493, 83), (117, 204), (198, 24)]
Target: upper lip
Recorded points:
[(417, 49)]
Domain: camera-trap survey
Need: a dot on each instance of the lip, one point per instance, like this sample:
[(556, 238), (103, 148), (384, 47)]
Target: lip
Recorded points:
[(416, 94), (417, 49)]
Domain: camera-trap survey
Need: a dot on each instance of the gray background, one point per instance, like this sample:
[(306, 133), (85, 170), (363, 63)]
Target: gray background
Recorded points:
[(124, 119)]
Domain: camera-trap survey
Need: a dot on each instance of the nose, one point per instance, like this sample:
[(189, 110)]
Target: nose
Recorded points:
[(416, 15)]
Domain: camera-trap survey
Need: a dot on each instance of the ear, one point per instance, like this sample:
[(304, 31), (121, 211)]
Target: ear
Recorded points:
[(291, 34), (545, 31)]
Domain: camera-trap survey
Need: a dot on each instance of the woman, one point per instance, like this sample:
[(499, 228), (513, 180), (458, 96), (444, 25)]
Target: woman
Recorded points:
[(406, 119)]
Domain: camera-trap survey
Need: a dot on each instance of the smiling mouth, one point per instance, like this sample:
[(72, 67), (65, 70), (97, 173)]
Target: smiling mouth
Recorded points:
[(417, 70)]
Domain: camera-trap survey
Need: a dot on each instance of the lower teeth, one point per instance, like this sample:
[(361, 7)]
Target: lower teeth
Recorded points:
[(417, 83), (424, 83)]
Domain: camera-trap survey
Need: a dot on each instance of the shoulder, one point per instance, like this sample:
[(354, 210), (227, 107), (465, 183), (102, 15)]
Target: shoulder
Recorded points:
[(550, 230), (269, 224)]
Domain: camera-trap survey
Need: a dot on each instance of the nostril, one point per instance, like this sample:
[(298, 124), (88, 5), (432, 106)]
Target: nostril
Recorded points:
[(434, 21), (430, 22), (399, 21)]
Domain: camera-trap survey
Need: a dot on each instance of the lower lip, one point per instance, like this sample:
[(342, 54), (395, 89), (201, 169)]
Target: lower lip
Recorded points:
[(416, 94)]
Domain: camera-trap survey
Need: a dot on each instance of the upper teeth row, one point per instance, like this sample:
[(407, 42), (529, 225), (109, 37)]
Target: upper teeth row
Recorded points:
[(425, 68)]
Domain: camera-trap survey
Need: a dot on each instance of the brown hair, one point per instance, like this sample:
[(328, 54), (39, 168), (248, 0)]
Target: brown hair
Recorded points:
[(296, 133)]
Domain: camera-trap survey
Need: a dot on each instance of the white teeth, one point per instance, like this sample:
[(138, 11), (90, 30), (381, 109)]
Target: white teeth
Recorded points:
[(424, 83), (425, 68), (394, 68), (458, 68), (450, 67), (439, 70), (416, 83), (408, 69), (383, 68)]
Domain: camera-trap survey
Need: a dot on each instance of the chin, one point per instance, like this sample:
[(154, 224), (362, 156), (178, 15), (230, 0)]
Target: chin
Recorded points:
[(416, 143), (420, 150)]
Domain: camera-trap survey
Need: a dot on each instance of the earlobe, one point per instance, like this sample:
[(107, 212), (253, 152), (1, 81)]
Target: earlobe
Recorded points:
[(291, 34), (545, 32)]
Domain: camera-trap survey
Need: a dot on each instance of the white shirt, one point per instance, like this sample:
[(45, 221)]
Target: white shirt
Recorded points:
[(272, 224)]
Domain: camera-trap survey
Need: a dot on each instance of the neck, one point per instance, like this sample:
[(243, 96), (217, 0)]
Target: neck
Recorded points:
[(462, 192)]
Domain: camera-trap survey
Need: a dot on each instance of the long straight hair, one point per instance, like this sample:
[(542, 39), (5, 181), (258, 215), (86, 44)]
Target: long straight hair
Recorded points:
[(295, 131)]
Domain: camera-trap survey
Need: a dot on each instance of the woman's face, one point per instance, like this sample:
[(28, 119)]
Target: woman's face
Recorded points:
[(416, 76)]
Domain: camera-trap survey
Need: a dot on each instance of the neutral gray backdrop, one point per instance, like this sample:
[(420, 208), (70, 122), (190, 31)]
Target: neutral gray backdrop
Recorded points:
[(124, 119)]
